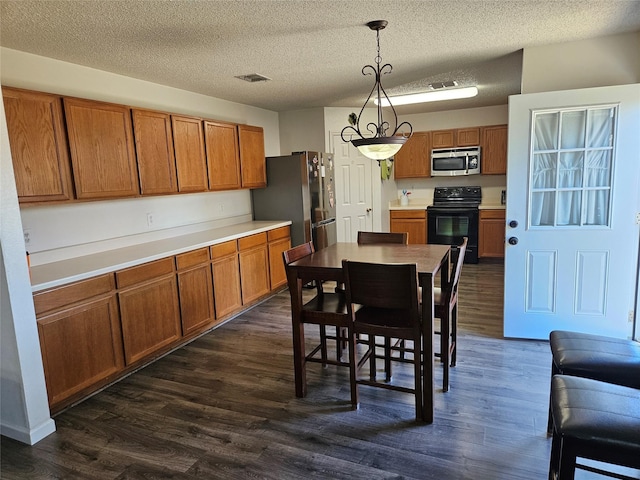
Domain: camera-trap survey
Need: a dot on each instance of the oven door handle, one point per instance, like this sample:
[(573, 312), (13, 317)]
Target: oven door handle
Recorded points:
[(466, 163), (448, 210)]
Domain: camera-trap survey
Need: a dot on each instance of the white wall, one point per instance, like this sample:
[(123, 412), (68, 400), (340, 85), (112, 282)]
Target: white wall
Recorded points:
[(60, 231), (597, 62), (302, 130)]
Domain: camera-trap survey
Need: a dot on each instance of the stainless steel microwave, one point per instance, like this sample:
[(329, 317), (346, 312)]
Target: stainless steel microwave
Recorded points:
[(451, 162)]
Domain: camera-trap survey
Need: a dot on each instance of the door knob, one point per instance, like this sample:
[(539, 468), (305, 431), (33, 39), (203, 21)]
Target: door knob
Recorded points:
[(513, 240), (513, 223), (369, 210)]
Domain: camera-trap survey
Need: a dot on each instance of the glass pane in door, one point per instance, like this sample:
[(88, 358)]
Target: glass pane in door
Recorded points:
[(573, 129), (546, 131)]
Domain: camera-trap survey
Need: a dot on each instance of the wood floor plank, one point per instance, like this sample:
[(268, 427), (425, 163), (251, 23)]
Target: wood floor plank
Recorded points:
[(223, 407)]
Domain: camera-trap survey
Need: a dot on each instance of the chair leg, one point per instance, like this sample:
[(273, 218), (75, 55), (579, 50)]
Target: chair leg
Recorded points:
[(554, 462), (323, 345), (417, 369), (387, 358), (444, 348), (554, 371), (454, 334), (372, 358), (568, 454), (351, 338)]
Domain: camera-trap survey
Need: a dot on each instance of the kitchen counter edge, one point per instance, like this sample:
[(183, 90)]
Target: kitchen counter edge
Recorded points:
[(63, 272)]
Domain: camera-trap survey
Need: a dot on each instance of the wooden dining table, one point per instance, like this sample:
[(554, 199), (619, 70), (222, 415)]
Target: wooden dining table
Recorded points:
[(326, 265)]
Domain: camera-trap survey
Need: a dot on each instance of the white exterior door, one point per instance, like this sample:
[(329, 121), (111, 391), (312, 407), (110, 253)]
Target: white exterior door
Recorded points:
[(354, 196), (572, 180)]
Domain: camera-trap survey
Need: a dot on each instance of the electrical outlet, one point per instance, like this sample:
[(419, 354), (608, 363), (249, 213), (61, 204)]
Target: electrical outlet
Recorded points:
[(149, 219), (27, 237), (631, 312), (638, 218)]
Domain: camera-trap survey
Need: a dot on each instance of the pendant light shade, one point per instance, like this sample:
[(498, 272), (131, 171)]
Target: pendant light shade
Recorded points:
[(383, 143)]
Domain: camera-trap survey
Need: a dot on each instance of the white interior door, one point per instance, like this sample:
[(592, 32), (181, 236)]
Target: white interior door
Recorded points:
[(572, 180), (354, 196)]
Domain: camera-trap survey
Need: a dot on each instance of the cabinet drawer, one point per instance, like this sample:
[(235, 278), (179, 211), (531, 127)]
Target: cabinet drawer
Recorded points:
[(224, 249), (62, 296), (189, 259), (251, 241), (278, 233), (498, 214), (142, 273), (419, 214)]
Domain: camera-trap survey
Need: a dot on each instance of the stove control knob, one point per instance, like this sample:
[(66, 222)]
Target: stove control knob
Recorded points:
[(513, 223), (513, 240)]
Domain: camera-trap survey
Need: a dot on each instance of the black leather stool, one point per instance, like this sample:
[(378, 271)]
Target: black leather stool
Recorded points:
[(594, 420), (611, 360)]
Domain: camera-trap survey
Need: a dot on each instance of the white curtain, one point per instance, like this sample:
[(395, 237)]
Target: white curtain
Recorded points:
[(571, 174)]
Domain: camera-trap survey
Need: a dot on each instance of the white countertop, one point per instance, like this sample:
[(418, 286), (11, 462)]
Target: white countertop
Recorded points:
[(80, 268)]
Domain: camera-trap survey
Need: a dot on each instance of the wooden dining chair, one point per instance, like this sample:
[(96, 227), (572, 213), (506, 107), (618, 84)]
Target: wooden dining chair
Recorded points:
[(382, 300), (324, 309), (446, 309), (366, 238)]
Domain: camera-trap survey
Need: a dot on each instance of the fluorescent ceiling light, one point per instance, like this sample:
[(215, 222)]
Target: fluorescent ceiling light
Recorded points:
[(431, 96)]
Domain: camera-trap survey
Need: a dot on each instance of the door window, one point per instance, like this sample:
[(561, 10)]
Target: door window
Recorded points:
[(571, 167)]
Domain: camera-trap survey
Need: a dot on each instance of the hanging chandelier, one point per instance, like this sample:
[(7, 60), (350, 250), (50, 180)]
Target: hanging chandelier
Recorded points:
[(380, 145)]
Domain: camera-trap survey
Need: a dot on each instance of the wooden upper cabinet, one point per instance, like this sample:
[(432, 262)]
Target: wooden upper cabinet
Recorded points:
[(38, 145), (223, 157), (154, 151), (443, 138), (191, 161), (101, 146), (252, 160), (456, 137), (414, 159), (494, 150), (468, 137)]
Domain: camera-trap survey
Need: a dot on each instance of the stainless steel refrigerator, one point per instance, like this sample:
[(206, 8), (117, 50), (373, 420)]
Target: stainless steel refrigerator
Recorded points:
[(300, 188)]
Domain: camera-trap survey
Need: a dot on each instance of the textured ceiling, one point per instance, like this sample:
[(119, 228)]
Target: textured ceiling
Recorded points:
[(313, 50)]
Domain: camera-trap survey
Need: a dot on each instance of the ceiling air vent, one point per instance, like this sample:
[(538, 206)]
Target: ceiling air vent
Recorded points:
[(447, 84), (253, 77)]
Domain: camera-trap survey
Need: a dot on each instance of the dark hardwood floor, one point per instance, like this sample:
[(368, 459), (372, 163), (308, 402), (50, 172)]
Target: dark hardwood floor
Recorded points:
[(224, 407)]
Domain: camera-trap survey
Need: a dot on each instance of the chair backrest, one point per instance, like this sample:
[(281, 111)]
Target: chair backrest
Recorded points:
[(384, 286), (296, 253), (365, 238), (456, 270)]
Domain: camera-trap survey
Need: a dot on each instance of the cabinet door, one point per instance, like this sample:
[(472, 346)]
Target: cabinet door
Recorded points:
[(226, 285), (191, 162), (81, 346), (38, 145), (491, 234), (412, 222), (252, 159), (494, 150), (223, 158), (154, 152), (443, 138), (468, 137), (277, 271), (101, 146), (195, 287), (150, 317), (414, 158), (254, 272)]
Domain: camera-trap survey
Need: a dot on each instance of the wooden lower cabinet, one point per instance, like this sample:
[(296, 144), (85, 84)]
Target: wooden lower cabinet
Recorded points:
[(80, 337), (414, 222), (491, 234), (254, 267), (226, 278), (195, 287), (279, 241), (149, 308)]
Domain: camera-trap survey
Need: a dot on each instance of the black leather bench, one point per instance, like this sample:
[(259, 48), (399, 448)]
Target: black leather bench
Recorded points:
[(610, 360), (593, 420)]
